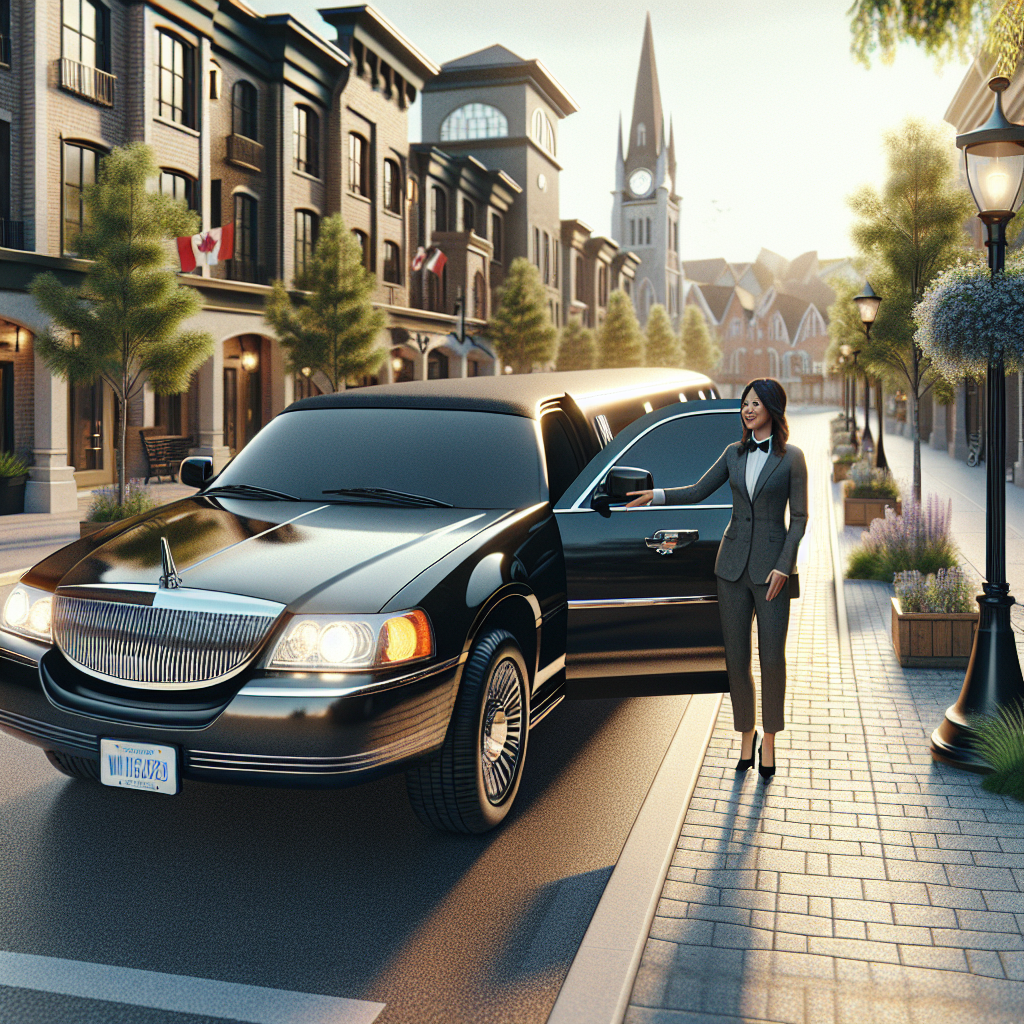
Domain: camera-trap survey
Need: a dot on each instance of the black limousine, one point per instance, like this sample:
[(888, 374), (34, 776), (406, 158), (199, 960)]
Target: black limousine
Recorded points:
[(398, 578)]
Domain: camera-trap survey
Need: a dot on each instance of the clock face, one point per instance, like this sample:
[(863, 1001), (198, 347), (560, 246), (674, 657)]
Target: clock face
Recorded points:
[(640, 182)]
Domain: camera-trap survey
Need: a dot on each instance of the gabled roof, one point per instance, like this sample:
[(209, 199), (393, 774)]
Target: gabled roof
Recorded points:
[(704, 271), (716, 298), (489, 56), (815, 290), (803, 267), (791, 309)]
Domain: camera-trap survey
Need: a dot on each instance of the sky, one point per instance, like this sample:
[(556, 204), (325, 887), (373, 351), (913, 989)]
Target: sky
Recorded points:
[(776, 124)]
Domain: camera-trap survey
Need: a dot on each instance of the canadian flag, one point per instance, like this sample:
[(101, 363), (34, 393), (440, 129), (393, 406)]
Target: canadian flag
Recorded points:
[(208, 247), (419, 259), (435, 261)]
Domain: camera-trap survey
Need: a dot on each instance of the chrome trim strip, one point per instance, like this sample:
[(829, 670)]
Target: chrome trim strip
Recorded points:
[(622, 454), (53, 733), (544, 712), (638, 508), (545, 673), (643, 602), (263, 690)]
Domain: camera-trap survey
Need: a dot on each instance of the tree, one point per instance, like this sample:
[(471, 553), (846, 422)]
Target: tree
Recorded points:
[(909, 233), (699, 349), (333, 329), (521, 330), (662, 348), (576, 349), (943, 28), (620, 342), (122, 325)]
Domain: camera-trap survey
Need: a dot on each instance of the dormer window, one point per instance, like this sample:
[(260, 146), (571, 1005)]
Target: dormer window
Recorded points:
[(641, 135)]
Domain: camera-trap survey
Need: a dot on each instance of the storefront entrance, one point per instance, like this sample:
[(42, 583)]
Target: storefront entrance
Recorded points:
[(243, 390), (91, 430)]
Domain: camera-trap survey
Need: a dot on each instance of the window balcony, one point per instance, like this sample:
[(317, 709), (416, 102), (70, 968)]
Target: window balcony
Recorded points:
[(246, 270), (245, 152), (12, 234), (88, 82)]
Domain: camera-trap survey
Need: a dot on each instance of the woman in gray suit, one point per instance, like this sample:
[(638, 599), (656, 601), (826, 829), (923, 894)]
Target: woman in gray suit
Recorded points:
[(755, 558)]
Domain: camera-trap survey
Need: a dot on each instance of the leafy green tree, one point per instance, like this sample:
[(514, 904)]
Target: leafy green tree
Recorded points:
[(701, 352), (662, 348), (123, 324), (907, 234), (944, 29), (335, 327), (576, 348), (620, 342), (521, 329)]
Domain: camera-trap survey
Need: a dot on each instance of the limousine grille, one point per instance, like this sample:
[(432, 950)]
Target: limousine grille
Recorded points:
[(156, 647)]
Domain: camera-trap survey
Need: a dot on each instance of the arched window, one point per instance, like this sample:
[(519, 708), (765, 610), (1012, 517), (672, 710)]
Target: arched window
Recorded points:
[(363, 241), (306, 140), (180, 186), (778, 331), (648, 230), (307, 225), (479, 297), (81, 165), (438, 209), (392, 187), (437, 365), (647, 299), (738, 361), (773, 363), (602, 284), (392, 263), (474, 121), (641, 134), (244, 100), (543, 132)]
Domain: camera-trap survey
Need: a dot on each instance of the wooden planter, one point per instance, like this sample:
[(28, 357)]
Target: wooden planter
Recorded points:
[(862, 511), (840, 471), (933, 640)]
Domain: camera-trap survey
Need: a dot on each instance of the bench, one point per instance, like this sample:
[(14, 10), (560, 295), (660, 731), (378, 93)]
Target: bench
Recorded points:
[(164, 452)]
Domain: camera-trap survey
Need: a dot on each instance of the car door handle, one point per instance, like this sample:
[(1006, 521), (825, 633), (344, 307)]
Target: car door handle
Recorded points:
[(666, 541)]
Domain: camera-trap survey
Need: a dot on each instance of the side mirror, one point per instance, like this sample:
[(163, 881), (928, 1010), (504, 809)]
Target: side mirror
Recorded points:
[(195, 470), (615, 487)]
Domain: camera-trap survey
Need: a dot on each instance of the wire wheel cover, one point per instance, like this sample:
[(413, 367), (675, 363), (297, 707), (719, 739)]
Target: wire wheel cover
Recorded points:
[(502, 733)]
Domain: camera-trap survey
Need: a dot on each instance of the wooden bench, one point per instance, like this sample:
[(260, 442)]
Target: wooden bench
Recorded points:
[(164, 452)]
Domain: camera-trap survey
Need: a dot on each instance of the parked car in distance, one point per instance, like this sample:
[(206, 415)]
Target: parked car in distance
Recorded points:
[(398, 578)]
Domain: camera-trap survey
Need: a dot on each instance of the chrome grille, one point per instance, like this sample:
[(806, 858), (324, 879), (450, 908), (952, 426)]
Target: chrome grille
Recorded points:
[(197, 643)]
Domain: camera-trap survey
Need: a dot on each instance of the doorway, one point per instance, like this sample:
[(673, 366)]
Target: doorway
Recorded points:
[(91, 434), (243, 390)]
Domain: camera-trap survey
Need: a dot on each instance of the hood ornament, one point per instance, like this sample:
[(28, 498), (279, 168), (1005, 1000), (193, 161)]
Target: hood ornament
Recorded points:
[(170, 579)]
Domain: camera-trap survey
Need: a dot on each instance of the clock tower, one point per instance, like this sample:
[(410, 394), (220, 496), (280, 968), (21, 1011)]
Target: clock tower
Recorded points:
[(645, 209)]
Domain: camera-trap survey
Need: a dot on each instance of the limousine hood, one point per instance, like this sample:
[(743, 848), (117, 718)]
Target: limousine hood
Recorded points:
[(314, 557)]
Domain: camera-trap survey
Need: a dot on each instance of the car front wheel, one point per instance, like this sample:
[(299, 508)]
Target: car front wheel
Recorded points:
[(471, 784)]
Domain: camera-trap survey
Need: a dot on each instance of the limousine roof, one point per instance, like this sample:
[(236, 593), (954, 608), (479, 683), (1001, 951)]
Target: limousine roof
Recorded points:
[(521, 394)]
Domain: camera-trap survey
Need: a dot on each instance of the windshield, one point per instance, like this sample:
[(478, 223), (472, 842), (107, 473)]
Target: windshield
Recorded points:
[(467, 459)]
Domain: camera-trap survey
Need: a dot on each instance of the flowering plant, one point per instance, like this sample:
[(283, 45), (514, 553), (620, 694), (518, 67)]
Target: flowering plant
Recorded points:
[(868, 482), (105, 509), (946, 591), (917, 539), (967, 317)]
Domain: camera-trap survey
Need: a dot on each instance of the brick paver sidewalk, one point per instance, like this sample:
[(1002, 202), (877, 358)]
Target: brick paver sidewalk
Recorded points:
[(866, 883)]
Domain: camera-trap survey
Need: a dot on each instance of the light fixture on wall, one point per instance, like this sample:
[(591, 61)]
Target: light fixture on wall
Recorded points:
[(10, 335), (306, 372), (250, 359), (396, 363)]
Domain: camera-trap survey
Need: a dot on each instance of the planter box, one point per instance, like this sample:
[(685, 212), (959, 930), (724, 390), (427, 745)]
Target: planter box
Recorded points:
[(840, 471), (862, 511), (12, 494), (933, 640)]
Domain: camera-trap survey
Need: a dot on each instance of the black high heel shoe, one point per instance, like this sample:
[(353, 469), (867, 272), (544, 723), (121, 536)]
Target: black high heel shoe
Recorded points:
[(765, 771), (748, 762)]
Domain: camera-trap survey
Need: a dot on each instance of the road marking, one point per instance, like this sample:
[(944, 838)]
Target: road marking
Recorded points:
[(13, 576), (180, 993)]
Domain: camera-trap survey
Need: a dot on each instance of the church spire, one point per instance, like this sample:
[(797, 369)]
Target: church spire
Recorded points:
[(672, 152), (646, 131)]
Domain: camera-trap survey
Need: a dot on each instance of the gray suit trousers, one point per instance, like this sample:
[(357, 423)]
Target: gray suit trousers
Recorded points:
[(738, 602)]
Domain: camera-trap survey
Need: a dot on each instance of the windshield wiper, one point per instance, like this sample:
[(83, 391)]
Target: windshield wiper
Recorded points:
[(249, 491), (385, 495)]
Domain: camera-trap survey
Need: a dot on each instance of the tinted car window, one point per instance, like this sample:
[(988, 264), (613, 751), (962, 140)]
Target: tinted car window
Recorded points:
[(680, 451), (469, 459)]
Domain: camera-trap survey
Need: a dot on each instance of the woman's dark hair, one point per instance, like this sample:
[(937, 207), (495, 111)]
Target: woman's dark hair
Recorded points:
[(773, 397)]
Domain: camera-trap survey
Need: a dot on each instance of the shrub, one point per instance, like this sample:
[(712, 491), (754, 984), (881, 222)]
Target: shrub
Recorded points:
[(867, 482), (1000, 742), (105, 509), (12, 465), (946, 591), (845, 454), (917, 539)]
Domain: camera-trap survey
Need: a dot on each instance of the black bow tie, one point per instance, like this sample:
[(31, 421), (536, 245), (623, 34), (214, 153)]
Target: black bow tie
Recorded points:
[(753, 446)]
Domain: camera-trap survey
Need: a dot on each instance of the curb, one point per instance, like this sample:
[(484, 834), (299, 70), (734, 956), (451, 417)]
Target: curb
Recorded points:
[(600, 980)]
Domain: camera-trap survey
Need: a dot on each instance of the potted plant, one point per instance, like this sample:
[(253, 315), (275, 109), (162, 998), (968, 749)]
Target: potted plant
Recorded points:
[(105, 509), (867, 494), (844, 457), (13, 477), (934, 618)]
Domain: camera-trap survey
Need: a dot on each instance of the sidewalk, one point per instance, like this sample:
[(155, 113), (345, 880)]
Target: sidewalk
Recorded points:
[(866, 883)]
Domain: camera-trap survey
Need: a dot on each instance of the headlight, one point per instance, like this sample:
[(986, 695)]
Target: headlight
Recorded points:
[(330, 643), (27, 613)]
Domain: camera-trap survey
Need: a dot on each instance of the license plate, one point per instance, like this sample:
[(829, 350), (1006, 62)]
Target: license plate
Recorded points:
[(136, 765)]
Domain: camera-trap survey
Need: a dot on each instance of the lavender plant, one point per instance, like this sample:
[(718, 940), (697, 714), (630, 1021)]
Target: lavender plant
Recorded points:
[(948, 591), (105, 507), (917, 539)]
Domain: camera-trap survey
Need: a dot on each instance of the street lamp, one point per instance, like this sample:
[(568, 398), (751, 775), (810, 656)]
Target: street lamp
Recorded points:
[(994, 160), (867, 305)]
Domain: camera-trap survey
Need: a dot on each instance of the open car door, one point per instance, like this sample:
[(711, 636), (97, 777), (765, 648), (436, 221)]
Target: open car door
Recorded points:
[(642, 593)]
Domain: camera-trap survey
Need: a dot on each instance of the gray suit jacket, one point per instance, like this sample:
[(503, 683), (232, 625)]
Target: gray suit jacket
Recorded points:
[(757, 531)]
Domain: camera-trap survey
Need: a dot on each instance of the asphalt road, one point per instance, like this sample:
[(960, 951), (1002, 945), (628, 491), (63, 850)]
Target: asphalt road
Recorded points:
[(341, 893)]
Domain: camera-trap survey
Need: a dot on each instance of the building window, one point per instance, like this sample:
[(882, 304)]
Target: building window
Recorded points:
[(632, 231), (216, 212), (496, 237), (306, 141), (244, 260), (437, 365), (81, 166), (735, 327), (180, 186), (547, 259), (307, 224), (579, 280), (392, 187), (364, 245), (175, 86), (648, 230), (468, 215), (641, 134), (474, 121), (536, 247), (438, 209), (554, 262), (85, 36), (243, 110), (392, 263), (602, 284), (543, 132), (479, 297)]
